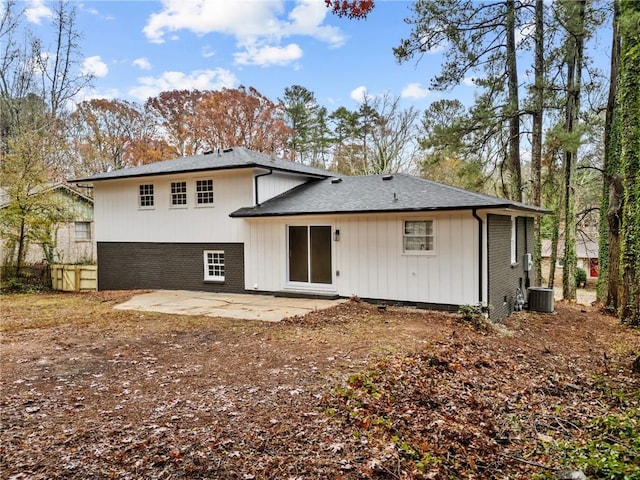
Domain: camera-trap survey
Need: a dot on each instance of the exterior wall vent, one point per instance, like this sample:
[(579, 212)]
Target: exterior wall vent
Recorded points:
[(227, 150), (541, 299), (387, 177)]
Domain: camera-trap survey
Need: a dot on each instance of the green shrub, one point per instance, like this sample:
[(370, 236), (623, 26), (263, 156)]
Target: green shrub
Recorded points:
[(472, 314), (581, 276)]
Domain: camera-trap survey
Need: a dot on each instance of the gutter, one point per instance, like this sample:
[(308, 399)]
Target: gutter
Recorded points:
[(474, 212), (255, 183), (248, 212)]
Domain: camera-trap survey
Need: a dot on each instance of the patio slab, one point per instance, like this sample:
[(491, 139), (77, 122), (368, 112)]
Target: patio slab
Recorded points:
[(229, 305)]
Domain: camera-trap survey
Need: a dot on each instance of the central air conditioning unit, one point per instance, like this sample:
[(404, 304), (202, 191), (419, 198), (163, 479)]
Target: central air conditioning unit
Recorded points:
[(541, 299)]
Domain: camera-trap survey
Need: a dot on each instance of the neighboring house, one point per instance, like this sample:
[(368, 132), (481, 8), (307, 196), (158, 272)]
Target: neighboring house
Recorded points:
[(241, 221), (586, 253), (74, 239)]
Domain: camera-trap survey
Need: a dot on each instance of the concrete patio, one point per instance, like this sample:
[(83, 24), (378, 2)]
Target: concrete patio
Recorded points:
[(241, 306)]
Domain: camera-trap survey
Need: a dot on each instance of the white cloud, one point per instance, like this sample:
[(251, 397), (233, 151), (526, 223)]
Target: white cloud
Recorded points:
[(198, 79), (306, 19), (523, 32), (142, 63), (36, 11), (240, 19), (359, 93), (94, 66), (269, 55), (258, 27), (208, 52), (89, 10), (470, 81), (415, 90), (92, 93)]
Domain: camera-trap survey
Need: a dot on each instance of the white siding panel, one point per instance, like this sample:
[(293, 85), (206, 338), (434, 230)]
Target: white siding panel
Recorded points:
[(370, 259), (265, 253), (270, 186), (118, 217)]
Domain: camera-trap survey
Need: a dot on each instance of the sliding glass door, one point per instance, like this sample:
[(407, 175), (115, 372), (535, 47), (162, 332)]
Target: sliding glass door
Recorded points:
[(310, 254)]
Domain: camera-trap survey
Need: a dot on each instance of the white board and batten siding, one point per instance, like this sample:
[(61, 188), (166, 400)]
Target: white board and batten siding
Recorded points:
[(368, 260), (274, 184), (118, 217)]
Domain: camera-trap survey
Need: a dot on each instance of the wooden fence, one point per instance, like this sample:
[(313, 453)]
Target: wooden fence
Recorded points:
[(74, 278)]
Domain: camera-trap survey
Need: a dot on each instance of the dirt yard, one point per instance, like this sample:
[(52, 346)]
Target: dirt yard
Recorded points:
[(353, 392)]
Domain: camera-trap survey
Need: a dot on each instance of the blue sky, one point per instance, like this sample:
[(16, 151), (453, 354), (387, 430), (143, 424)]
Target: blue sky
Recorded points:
[(137, 49)]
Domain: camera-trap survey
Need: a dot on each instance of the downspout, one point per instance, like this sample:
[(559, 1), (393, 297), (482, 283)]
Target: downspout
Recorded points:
[(255, 180), (527, 281), (474, 212)]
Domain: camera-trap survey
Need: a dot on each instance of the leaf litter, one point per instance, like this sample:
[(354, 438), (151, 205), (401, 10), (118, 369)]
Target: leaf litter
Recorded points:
[(353, 392)]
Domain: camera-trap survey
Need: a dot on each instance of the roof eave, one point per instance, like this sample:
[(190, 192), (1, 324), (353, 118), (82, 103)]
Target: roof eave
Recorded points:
[(196, 170), (250, 214)]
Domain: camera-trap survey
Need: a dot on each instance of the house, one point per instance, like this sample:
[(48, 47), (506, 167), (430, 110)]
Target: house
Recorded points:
[(587, 250), (72, 239), (241, 221)]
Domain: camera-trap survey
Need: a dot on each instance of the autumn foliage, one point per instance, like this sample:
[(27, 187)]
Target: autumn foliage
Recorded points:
[(242, 117), (113, 134), (357, 9)]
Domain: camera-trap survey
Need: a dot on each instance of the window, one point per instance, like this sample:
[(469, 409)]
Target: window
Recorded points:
[(204, 192), (178, 194), (418, 236), (145, 199), (83, 231), (214, 265), (514, 240)]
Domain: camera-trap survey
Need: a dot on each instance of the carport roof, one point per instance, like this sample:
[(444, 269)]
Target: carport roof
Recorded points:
[(377, 193)]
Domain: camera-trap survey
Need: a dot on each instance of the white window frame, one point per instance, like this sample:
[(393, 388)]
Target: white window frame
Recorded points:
[(212, 258), (433, 237), (178, 191), (82, 234), (146, 196), (198, 191)]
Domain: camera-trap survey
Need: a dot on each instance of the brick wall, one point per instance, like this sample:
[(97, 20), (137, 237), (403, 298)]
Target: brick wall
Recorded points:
[(169, 266), (504, 277)]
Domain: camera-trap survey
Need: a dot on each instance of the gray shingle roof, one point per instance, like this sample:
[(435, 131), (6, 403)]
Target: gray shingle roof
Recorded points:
[(237, 157), (376, 193)]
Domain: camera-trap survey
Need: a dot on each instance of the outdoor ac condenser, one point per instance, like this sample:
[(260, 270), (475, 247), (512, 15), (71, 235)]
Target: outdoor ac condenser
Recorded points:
[(541, 299)]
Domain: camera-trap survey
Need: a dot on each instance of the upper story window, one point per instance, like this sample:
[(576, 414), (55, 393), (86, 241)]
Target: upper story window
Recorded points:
[(204, 192), (418, 236), (178, 194), (145, 197), (83, 231)]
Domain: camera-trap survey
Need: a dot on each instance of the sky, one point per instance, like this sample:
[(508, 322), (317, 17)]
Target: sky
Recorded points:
[(137, 49)]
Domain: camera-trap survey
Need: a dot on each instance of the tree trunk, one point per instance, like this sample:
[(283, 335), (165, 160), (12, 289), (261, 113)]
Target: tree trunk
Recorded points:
[(555, 234), (611, 205), (21, 247), (629, 106), (513, 105), (614, 220), (575, 46), (536, 154)]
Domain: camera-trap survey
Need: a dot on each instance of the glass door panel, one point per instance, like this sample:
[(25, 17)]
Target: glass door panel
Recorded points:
[(298, 254), (320, 247)]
